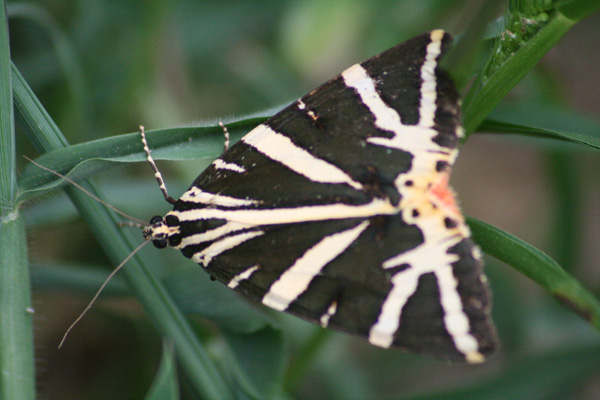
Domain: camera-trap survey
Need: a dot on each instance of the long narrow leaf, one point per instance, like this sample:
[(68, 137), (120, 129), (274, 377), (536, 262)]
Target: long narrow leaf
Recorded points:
[(165, 386), (542, 269), (89, 158), (16, 338), (17, 379), (495, 126), (545, 122)]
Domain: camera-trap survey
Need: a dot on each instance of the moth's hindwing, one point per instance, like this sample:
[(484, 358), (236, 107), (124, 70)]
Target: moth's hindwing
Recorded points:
[(337, 209)]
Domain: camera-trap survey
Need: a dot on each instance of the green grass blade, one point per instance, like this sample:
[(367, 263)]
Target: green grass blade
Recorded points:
[(197, 295), (165, 385), (199, 367), (261, 357), (545, 122), (17, 378), (7, 134), (81, 279), (511, 59), (555, 375), (16, 338), (465, 56), (78, 104), (539, 267), (92, 157), (577, 9), (496, 126)]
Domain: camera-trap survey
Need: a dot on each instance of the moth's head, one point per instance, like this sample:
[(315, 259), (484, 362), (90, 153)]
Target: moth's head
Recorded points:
[(157, 231), (163, 231)]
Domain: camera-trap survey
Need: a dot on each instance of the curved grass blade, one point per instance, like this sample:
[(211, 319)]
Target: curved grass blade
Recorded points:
[(86, 159), (545, 122), (496, 126), (165, 385), (260, 360), (539, 267)]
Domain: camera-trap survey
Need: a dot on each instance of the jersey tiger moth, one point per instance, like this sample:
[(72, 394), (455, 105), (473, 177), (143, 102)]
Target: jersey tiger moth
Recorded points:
[(338, 210)]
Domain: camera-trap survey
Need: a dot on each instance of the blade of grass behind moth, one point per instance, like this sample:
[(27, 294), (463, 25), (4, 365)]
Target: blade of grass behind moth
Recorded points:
[(17, 378), (511, 59), (199, 367), (539, 267), (89, 158)]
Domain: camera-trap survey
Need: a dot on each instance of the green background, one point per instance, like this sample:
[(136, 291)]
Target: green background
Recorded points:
[(101, 68)]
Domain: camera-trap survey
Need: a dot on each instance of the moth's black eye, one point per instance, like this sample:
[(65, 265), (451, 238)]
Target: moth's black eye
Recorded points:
[(160, 243), (155, 219)]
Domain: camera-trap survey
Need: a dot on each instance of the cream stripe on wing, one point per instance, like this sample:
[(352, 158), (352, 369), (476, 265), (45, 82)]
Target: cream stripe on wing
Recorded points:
[(431, 256), (429, 81), (404, 285), (295, 280), (280, 148), (197, 195), (255, 217), (405, 136), (416, 138), (205, 256), (212, 234), (428, 257), (242, 276), (324, 319), (455, 319), (220, 164)]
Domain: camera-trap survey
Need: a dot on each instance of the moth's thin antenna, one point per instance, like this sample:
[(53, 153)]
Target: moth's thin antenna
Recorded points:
[(226, 134), (133, 224), (157, 174), (100, 291), (84, 190)]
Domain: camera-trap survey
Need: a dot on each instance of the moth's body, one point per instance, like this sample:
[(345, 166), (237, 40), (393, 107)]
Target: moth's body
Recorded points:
[(338, 209)]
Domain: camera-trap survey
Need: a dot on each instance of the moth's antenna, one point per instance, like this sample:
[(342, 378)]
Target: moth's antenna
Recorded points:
[(133, 222), (138, 222), (157, 174), (226, 134), (100, 291)]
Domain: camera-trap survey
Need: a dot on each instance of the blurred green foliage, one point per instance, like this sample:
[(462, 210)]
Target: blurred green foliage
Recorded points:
[(101, 68)]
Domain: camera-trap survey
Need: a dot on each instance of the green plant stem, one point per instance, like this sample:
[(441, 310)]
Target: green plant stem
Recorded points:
[(7, 134), (17, 379)]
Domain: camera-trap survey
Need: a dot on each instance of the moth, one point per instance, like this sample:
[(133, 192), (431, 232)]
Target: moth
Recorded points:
[(338, 210)]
